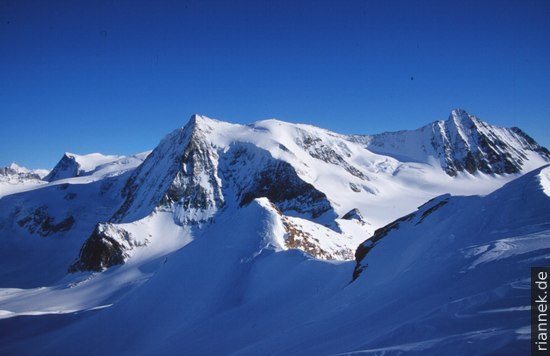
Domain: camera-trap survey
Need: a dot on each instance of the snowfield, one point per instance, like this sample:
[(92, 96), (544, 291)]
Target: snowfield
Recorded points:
[(278, 238)]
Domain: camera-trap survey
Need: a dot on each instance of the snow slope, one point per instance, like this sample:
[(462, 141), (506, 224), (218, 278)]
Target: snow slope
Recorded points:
[(480, 291), (240, 287)]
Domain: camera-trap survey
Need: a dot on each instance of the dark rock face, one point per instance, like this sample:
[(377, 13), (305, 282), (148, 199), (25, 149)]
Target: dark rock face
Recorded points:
[(417, 217), (282, 186), (101, 251), (40, 222), (67, 167), (466, 143), (353, 214), (187, 191), (431, 209), (172, 177), (256, 174)]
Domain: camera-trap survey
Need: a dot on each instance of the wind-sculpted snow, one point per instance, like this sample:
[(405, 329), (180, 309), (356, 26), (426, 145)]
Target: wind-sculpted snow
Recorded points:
[(544, 178)]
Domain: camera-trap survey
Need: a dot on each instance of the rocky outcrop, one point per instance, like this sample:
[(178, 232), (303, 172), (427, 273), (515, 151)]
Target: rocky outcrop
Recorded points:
[(299, 239), (40, 222), (195, 193), (107, 246), (354, 214), (281, 185)]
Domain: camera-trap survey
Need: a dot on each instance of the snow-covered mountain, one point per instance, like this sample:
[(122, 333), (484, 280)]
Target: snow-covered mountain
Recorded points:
[(462, 143), (208, 165), (237, 228), (72, 165), (14, 177), (15, 170)]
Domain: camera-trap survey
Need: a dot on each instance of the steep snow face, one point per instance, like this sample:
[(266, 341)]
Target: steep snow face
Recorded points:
[(463, 143)]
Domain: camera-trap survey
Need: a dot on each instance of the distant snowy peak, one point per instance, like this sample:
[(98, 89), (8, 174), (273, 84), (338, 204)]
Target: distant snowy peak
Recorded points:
[(463, 143), (73, 165), (17, 168), (16, 174)]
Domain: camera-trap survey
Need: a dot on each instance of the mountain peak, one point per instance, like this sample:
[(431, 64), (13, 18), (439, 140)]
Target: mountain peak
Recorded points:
[(460, 118), (15, 173), (18, 168), (198, 120), (458, 112), (464, 143)]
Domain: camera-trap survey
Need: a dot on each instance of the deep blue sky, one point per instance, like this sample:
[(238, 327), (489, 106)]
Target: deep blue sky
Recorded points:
[(116, 76)]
